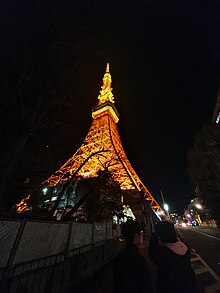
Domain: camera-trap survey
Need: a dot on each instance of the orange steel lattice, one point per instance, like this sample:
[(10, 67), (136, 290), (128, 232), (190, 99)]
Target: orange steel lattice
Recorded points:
[(101, 148)]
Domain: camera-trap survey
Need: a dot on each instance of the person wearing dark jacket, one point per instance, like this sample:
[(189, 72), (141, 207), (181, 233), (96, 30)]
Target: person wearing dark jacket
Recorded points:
[(172, 257), (130, 267)]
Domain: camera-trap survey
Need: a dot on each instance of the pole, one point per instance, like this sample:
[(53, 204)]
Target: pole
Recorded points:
[(162, 196)]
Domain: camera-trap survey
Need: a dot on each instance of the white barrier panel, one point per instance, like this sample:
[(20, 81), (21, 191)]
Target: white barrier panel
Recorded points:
[(99, 231), (8, 233), (40, 240), (81, 235)]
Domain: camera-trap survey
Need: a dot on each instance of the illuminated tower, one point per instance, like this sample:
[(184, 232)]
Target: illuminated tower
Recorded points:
[(102, 147)]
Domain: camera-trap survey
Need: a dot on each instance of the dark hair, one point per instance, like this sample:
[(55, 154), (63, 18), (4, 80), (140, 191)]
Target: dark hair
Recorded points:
[(129, 229), (166, 231)]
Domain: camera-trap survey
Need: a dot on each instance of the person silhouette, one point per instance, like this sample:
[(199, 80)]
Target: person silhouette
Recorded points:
[(130, 267), (172, 258)]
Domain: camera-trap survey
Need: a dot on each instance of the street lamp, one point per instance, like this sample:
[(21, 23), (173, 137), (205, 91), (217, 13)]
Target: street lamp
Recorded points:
[(166, 207), (198, 206)]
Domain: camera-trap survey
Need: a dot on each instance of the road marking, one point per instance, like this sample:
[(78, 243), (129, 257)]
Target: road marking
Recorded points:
[(195, 259), (206, 268), (201, 270), (215, 276), (213, 288), (206, 234)]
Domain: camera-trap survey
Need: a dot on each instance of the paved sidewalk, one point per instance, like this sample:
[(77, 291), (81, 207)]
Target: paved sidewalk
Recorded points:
[(103, 280)]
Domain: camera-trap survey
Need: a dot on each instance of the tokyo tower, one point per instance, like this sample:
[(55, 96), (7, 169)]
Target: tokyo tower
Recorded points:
[(102, 147)]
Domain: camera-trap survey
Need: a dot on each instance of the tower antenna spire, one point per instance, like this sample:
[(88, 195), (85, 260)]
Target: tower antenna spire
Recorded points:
[(106, 94), (107, 68)]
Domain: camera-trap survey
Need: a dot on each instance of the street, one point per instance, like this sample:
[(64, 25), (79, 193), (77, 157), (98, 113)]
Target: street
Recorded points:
[(205, 245)]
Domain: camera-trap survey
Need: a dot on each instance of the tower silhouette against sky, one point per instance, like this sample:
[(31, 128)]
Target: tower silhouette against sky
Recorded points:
[(102, 148)]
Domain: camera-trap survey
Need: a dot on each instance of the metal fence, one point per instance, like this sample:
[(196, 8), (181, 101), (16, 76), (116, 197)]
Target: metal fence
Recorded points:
[(49, 256)]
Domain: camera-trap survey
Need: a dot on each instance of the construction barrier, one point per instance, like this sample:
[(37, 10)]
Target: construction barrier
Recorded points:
[(38, 256)]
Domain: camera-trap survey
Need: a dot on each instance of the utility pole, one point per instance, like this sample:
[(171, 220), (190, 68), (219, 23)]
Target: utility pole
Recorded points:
[(162, 197)]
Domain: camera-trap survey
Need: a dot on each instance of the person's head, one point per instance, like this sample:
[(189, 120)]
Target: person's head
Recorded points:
[(166, 231), (131, 232)]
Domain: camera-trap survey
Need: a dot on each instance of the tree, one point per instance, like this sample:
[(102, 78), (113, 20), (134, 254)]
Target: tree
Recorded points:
[(100, 196), (204, 166), (43, 60)]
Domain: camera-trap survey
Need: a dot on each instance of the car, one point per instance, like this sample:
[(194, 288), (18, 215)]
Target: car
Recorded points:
[(182, 224)]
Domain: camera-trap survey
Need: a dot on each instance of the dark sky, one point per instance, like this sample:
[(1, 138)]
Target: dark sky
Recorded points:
[(164, 60)]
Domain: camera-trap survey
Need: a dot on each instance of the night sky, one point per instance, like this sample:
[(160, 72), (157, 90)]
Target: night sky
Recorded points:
[(164, 61)]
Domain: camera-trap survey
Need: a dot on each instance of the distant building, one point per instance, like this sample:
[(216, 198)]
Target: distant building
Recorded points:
[(216, 113)]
